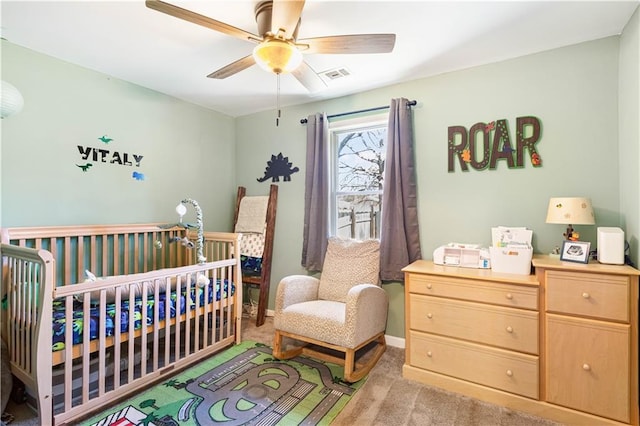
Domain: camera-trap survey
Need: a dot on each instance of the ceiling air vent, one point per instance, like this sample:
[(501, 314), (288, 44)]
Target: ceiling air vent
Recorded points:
[(336, 73)]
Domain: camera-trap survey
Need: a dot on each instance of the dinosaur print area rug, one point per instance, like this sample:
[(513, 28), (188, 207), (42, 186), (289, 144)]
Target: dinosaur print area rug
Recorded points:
[(242, 385)]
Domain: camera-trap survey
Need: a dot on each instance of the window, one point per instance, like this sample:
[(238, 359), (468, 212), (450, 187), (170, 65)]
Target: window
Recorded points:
[(358, 151)]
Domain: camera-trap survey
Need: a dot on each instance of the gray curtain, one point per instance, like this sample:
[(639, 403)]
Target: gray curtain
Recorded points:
[(316, 196), (399, 233)]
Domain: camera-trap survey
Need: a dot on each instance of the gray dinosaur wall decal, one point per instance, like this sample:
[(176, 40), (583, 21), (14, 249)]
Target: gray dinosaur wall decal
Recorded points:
[(278, 166)]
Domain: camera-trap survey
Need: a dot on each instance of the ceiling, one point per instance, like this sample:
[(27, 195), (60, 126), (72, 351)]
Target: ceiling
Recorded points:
[(127, 40)]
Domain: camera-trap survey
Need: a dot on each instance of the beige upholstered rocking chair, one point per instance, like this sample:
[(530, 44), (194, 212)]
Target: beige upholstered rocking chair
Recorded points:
[(345, 310)]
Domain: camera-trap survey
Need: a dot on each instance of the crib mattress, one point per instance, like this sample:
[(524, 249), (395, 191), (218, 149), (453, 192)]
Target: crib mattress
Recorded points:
[(178, 304)]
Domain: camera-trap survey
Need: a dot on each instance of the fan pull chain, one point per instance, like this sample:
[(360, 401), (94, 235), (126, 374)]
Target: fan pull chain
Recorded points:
[(278, 99)]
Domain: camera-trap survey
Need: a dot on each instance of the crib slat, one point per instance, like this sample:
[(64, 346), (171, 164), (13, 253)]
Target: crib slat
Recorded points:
[(117, 347), (32, 311), (147, 252), (86, 374), (131, 343), (22, 358), (143, 319), (197, 315), (116, 256), (135, 248), (78, 259), (156, 320), (105, 255), (68, 271), (68, 341), (186, 339), (207, 310), (93, 256), (102, 351), (176, 348)]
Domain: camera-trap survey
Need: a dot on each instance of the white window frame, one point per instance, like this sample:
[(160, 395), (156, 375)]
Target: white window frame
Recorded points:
[(341, 126)]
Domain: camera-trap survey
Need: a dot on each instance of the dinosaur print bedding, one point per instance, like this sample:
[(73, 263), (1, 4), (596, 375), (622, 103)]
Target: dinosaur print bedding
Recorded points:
[(178, 304)]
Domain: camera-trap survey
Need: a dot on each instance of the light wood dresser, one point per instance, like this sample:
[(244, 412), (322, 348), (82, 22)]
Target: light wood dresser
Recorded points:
[(561, 343)]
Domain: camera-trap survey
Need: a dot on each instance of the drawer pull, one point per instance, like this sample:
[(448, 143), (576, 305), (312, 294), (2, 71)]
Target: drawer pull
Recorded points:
[(509, 296), (429, 286), (429, 315), (429, 354), (586, 367), (509, 329), (509, 373), (586, 295)]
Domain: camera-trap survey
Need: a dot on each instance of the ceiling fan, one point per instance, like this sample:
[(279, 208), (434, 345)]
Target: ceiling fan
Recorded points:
[(278, 48)]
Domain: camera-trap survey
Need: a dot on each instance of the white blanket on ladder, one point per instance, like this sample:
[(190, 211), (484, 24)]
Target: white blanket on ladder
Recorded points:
[(252, 218), (252, 214)]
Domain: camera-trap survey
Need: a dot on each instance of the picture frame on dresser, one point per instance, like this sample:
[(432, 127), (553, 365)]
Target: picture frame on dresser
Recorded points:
[(575, 251)]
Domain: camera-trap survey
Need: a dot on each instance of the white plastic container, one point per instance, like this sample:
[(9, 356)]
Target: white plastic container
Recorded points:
[(511, 260)]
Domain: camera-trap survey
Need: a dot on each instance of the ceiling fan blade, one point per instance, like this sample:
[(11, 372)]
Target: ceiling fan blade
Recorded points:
[(355, 43), (308, 78), (285, 16), (233, 68), (202, 20)]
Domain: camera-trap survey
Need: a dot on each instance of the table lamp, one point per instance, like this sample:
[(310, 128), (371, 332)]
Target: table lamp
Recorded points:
[(570, 211)]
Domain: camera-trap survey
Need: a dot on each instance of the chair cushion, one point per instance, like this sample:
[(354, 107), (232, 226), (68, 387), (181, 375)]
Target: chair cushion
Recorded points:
[(323, 320), (348, 263)]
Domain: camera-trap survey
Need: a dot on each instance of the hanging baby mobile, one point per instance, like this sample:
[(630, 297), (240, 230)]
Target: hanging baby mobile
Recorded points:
[(90, 155), (484, 144), (181, 209), (277, 167)]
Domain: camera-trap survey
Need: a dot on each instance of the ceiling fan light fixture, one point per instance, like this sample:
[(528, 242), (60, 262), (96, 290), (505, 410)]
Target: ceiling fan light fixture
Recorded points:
[(277, 56)]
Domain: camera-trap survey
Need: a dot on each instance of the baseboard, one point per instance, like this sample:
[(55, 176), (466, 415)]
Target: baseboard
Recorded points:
[(396, 342)]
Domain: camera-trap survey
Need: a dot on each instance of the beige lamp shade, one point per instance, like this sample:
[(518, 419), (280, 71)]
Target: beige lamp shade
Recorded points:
[(570, 210)]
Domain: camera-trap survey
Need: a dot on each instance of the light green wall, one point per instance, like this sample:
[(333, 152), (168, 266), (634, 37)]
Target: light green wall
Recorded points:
[(188, 151), (629, 121), (573, 91)]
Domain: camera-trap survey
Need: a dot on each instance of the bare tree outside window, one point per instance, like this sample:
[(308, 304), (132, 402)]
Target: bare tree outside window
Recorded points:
[(360, 157)]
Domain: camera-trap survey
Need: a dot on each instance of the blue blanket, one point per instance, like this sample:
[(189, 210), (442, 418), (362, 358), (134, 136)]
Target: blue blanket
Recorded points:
[(177, 303)]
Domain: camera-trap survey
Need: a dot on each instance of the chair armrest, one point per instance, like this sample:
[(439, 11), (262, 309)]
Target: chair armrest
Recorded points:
[(366, 311), (296, 289)]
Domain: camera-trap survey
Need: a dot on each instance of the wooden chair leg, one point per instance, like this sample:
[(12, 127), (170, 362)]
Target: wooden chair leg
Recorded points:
[(281, 354), (277, 344), (354, 372)]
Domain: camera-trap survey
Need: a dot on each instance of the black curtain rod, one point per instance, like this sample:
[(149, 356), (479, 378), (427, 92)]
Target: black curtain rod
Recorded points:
[(410, 103)]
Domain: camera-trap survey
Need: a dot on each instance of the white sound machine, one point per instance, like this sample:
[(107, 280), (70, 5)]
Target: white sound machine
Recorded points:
[(610, 245)]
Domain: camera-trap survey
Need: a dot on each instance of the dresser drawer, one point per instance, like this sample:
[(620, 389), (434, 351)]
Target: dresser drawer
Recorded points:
[(594, 295), (508, 328), (593, 357), (516, 296), (497, 368)]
